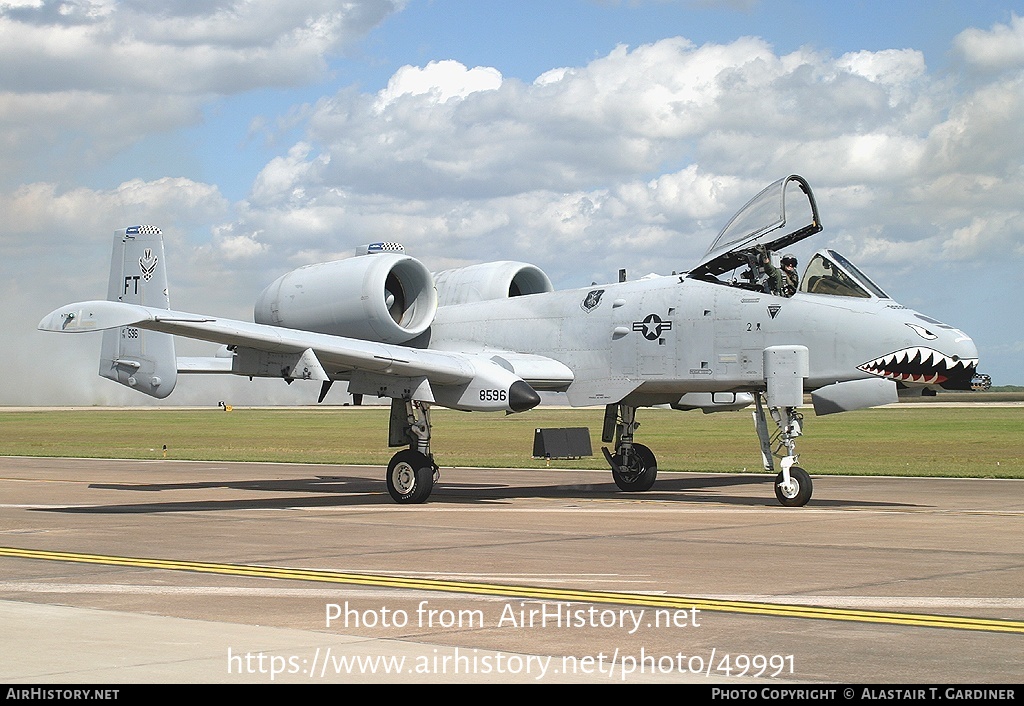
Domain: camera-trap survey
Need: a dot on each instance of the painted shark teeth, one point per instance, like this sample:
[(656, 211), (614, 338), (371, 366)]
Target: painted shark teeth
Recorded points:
[(923, 366)]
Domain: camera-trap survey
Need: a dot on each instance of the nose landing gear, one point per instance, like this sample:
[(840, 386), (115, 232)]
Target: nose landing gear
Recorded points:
[(793, 485)]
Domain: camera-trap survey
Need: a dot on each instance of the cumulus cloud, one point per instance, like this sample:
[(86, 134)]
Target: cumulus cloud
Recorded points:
[(738, 106), (41, 216), (995, 235), (219, 47), (283, 180), (84, 79), (589, 156), (240, 247), (441, 80), (448, 157), (995, 49)]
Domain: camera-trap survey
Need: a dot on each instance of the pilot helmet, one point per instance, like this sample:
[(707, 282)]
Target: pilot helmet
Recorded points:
[(788, 259)]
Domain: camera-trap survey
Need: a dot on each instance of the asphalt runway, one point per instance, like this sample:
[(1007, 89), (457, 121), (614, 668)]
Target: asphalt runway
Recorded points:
[(201, 572)]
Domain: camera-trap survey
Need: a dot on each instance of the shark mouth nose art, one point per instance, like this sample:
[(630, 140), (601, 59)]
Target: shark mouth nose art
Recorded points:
[(924, 366)]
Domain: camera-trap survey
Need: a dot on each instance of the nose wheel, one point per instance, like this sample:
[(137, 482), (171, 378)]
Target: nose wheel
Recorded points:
[(797, 491)]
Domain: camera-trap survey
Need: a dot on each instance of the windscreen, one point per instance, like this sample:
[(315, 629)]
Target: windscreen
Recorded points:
[(830, 273)]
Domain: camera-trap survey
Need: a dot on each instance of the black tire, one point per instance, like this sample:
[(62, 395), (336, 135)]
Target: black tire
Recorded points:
[(410, 477), (799, 493), (637, 475)]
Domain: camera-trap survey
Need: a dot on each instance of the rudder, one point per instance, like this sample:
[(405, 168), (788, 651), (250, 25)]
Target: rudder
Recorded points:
[(142, 360)]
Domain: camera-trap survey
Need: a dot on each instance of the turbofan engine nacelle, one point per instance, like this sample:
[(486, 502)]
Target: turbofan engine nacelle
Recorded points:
[(386, 297), (490, 280)]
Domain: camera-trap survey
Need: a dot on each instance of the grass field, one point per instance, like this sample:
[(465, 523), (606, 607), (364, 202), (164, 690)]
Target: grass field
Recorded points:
[(983, 442)]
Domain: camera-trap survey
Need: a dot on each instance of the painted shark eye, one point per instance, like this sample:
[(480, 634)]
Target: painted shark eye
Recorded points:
[(922, 332)]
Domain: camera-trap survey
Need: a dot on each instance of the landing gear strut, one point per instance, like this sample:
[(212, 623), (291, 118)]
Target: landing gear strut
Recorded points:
[(412, 471), (634, 466), (793, 486)]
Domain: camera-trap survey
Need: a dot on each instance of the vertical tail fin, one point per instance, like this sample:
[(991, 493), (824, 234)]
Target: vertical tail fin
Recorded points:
[(143, 360)]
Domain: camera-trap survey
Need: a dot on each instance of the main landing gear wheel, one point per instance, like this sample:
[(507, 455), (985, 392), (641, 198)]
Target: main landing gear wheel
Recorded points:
[(410, 477), (798, 492), (639, 472)]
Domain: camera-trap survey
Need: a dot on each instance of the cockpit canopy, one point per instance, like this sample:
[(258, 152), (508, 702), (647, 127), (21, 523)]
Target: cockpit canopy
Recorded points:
[(784, 213)]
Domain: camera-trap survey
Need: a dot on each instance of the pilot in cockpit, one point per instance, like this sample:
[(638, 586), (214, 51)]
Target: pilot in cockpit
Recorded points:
[(782, 282), (790, 279)]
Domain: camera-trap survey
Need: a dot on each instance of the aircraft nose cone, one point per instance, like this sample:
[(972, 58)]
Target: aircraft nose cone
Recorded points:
[(522, 397), (961, 364)]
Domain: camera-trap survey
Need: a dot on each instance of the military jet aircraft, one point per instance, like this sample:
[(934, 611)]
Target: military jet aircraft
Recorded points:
[(492, 336)]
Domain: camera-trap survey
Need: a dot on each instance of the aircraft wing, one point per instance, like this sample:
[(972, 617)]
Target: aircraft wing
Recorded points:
[(473, 381)]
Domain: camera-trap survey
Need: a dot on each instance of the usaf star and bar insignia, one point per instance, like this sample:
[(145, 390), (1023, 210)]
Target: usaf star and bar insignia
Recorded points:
[(652, 327)]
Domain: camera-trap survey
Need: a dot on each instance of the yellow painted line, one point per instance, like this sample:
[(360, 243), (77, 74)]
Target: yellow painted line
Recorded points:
[(532, 592)]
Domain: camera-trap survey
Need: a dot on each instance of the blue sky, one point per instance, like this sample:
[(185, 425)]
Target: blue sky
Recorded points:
[(269, 134)]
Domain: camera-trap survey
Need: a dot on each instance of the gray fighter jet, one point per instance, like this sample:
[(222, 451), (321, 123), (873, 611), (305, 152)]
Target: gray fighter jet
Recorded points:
[(491, 336)]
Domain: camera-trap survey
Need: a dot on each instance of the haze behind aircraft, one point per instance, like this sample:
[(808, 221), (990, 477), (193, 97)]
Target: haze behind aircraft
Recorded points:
[(489, 337)]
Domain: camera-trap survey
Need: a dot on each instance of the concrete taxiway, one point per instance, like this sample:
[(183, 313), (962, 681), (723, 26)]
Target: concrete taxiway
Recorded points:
[(167, 571)]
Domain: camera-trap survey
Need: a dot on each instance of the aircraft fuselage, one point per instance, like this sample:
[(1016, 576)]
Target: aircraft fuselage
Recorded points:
[(675, 334)]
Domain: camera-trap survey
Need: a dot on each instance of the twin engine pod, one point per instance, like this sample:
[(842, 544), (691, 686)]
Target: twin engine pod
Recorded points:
[(386, 297), (490, 280)]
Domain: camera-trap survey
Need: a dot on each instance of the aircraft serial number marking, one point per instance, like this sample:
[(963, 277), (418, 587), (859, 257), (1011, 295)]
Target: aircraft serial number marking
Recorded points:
[(493, 395), (535, 592)]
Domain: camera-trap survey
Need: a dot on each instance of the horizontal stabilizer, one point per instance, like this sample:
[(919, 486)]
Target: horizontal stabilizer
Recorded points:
[(195, 365), (82, 317)]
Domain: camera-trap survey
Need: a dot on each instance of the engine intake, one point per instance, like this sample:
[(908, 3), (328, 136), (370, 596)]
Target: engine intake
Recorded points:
[(490, 280), (386, 297)]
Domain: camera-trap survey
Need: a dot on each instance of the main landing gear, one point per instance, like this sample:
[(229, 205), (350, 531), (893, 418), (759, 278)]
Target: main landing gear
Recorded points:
[(793, 486), (634, 466), (412, 471)]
